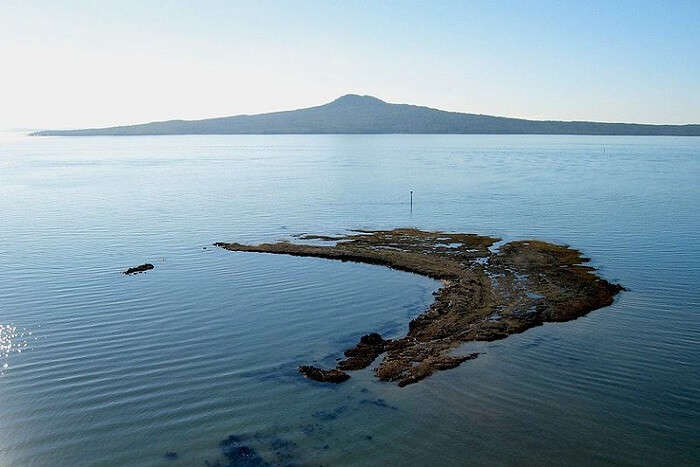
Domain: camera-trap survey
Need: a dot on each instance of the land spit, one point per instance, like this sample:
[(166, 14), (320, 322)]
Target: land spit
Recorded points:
[(487, 295)]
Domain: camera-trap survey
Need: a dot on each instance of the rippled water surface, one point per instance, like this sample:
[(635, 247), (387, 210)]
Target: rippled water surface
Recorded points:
[(195, 361)]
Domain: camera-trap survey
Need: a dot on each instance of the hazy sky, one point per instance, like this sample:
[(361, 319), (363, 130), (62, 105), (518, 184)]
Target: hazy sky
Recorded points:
[(95, 63)]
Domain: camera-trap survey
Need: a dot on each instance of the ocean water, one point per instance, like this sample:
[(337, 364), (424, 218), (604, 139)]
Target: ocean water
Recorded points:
[(196, 359)]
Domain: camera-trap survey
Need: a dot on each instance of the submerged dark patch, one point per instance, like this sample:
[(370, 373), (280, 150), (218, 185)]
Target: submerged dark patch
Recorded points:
[(379, 403), (237, 454), (326, 416)]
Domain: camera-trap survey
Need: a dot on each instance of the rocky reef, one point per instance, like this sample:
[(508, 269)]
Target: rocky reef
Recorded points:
[(487, 295)]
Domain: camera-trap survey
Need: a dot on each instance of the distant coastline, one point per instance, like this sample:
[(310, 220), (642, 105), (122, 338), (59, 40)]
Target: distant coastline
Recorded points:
[(354, 114)]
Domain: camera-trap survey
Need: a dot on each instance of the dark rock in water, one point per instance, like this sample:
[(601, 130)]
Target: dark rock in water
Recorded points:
[(364, 353), (324, 376), (138, 269), (170, 455), (487, 294)]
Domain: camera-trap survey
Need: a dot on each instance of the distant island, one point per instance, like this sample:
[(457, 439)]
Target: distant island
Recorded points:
[(354, 114)]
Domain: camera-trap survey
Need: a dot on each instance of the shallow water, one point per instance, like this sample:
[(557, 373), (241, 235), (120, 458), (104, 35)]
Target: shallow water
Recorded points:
[(102, 369)]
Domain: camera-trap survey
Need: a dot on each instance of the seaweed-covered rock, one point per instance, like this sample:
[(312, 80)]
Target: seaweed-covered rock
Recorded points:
[(364, 353)]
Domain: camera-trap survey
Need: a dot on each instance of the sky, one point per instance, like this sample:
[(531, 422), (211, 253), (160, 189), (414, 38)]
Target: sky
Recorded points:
[(73, 64)]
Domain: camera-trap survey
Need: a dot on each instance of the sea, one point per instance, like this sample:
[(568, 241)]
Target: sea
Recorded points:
[(195, 362)]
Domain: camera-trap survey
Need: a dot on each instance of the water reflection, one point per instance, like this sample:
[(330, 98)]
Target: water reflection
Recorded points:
[(12, 340)]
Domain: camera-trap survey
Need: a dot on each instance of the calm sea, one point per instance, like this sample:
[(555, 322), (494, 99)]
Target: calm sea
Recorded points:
[(161, 368)]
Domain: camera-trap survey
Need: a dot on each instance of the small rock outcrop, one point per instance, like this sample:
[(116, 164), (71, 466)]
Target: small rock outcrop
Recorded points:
[(324, 376), (137, 269)]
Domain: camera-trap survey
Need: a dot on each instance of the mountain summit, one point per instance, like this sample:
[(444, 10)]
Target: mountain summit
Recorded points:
[(357, 114), (355, 100)]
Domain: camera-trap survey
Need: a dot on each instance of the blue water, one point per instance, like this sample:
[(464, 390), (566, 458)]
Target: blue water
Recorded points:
[(102, 369)]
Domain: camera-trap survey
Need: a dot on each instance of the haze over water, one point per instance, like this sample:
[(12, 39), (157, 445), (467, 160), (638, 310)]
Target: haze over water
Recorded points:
[(101, 369)]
